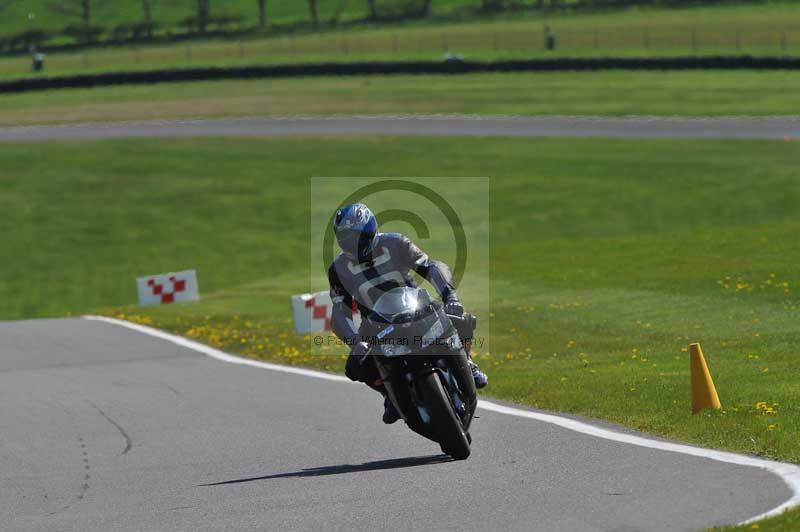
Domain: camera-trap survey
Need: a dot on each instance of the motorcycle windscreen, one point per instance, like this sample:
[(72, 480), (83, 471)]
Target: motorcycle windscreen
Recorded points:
[(400, 303)]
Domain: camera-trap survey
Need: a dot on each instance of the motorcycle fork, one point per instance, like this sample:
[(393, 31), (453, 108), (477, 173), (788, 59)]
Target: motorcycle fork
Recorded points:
[(451, 385)]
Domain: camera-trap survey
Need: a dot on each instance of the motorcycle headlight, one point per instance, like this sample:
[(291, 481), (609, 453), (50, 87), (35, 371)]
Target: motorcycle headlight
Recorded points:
[(433, 334), (395, 350), (454, 342)]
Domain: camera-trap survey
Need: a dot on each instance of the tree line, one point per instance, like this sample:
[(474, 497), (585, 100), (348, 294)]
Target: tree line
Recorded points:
[(84, 24)]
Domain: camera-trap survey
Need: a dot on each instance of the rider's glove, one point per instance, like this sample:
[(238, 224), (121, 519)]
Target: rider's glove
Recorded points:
[(360, 351), (453, 306)]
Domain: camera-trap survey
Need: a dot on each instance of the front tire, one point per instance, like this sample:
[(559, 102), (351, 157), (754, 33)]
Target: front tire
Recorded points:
[(446, 424)]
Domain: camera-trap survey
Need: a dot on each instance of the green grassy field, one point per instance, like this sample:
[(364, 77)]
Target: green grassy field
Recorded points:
[(607, 258), (566, 93), (761, 29), (169, 14)]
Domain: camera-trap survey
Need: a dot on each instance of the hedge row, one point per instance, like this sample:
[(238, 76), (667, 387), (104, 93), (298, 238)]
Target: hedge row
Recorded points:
[(399, 67)]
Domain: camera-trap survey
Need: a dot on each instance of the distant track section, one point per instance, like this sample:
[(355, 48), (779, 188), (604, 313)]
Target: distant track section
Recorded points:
[(776, 128), (399, 67)]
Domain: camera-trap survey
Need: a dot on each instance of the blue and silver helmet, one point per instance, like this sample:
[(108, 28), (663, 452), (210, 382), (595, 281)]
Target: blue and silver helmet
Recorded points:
[(356, 230)]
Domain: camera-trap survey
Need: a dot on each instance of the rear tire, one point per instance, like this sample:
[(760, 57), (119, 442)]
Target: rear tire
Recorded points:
[(452, 437)]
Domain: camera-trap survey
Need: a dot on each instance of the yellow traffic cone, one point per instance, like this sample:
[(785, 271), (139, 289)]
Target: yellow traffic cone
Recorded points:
[(704, 394)]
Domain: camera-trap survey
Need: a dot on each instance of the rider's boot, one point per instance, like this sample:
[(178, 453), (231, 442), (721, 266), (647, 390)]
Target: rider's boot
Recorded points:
[(481, 380)]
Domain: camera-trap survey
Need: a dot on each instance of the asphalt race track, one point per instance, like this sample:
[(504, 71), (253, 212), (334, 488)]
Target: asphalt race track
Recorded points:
[(103, 429), (106, 429), (641, 127)]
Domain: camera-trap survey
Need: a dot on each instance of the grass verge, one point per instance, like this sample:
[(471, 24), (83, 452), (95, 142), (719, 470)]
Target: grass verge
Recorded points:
[(608, 257), (613, 93), (765, 29)]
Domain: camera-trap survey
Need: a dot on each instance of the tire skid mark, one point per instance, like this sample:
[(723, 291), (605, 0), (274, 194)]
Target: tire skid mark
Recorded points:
[(86, 468), (85, 475), (171, 388), (128, 442)]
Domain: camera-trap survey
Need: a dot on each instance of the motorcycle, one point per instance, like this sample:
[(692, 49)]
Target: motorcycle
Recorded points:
[(419, 352)]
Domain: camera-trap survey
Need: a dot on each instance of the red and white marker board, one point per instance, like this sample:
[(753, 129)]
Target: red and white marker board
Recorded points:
[(312, 313), (165, 288)]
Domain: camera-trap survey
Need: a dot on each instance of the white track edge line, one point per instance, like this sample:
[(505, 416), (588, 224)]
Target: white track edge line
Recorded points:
[(216, 353), (789, 473)]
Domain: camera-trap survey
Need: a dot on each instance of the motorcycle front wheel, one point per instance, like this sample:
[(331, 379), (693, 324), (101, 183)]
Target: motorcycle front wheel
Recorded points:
[(452, 437)]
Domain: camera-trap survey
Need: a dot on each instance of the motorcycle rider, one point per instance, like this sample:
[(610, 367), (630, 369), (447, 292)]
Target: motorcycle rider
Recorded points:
[(370, 264)]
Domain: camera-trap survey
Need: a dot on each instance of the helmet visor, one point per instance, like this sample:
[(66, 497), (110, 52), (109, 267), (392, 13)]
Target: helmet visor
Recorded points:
[(354, 243)]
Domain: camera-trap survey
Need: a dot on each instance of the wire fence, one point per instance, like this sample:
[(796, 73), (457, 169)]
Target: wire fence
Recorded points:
[(472, 44)]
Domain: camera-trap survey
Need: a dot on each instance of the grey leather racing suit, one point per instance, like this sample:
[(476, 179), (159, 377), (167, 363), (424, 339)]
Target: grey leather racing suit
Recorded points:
[(393, 259)]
